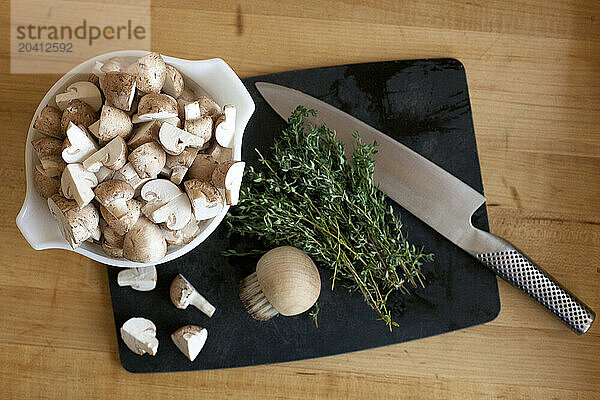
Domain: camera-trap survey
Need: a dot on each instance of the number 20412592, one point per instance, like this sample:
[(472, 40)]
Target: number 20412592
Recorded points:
[(40, 47)]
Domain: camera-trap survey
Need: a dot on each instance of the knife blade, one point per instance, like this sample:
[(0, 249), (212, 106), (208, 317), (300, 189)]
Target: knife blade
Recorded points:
[(439, 199)]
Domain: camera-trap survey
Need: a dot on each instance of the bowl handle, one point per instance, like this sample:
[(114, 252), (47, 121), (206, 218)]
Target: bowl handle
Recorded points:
[(37, 224)]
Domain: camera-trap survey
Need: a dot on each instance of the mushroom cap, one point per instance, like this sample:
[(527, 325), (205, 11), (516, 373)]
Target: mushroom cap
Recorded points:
[(173, 85), (202, 168), (77, 112), (202, 127), (148, 160), (119, 89), (76, 224), (150, 72), (110, 191), (113, 123), (153, 103), (219, 153), (48, 122), (47, 146), (209, 107), (44, 185), (112, 242), (146, 133), (113, 64), (144, 242), (124, 224), (289, 280), (185, 158)]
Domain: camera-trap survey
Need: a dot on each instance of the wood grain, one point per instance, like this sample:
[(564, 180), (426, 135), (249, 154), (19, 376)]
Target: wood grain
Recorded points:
[(532, 68)]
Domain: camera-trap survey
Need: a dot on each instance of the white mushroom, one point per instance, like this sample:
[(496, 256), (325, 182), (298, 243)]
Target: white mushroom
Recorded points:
[(119, 89), (175, 140), (166, 203), (225, 127), (112, 242), (201, 127), (144, 242), (77, 183), (129, 175), (84, 91), (113, 195), (113, 123), (77, 112), (178, 165), (141, 278), (190, 340), (228, 176), (113, 156), (48, 122), (76, 224), (207, 201), (79, 144), (150, 72), (184, 235), (183, 294), (145, 133), (156, 106), (49, 151), (148, 160), (122, 225), (45, 185), (173, 85), (139, 335)]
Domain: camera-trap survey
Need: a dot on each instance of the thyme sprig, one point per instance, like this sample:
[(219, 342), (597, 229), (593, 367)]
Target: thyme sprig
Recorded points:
[(308, 194)]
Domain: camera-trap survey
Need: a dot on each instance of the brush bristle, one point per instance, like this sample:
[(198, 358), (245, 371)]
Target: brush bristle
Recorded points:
[(254, 299)]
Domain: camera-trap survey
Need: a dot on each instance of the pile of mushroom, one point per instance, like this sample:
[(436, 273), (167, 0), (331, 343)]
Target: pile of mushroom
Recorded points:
[(136, 148)]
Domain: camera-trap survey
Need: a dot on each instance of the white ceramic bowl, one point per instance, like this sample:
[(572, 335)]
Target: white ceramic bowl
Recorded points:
[(213, 78)]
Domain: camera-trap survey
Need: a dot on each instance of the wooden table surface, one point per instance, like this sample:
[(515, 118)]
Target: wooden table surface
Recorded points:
[(533, 69)]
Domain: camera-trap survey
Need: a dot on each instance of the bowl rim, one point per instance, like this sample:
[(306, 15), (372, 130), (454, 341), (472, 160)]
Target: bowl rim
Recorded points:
[(24, 223)]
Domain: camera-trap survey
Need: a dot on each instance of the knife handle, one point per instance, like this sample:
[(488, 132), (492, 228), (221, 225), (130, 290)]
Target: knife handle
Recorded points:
[(517, 269)]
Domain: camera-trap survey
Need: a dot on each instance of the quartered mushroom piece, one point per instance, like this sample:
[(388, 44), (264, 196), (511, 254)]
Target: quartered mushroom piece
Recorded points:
[(79, 144), (48, 122), (142, 279), (139, 335), (190, 339), (225, 127), (112, 242), (119, 89), (175, 140), (202, 168), (113, 195), (112, 156), (150, 72), (113, 123), (144, 242), (45, 185), (145, 133), (77, 183), (177, 165), (84, 91), (148, 160), (122, 225), (166, 202), (128, 174), (182, 236), (207, 201), (77, 112), (49, 152), (173, 85), (228, 176), (156, 106), (77, 224)]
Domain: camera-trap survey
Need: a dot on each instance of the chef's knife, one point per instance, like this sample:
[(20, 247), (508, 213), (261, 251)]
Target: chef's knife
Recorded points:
[(440, 200)]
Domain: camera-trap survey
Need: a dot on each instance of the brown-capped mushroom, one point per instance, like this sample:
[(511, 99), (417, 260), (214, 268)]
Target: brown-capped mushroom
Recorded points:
[(139, 335), (84, 91), (48, 122), (142, 279), (148, 160), (178, 165), (202, 168), (49, 152), (190, 340), (79, 144), (112, 242), (228, 176), (156, 106), (119, 89), (183, 294), (77, 183), (45, 185), (113, 196), (122, 225), (113, 123), (77, 112), (182, 236), (207, 202), (286, 282), (76, 224), (225, 127), (128, 174), (112, 156), (201, 127), (204, 106), (219, 153), (150, 72), (145, 133), (166, 202), (173, 85), (144, 242), (174, 140)]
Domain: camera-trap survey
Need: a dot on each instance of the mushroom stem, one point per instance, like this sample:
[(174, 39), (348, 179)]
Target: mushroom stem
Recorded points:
[(202, 304), (254, 299)]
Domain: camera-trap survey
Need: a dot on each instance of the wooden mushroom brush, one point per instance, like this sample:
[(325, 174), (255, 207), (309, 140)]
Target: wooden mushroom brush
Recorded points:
[(286, 282)]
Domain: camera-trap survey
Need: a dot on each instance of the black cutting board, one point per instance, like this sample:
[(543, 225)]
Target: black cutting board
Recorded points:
[(422, 103)]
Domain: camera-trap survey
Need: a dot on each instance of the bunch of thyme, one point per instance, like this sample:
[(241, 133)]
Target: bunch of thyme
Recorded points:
[(308, 195)]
